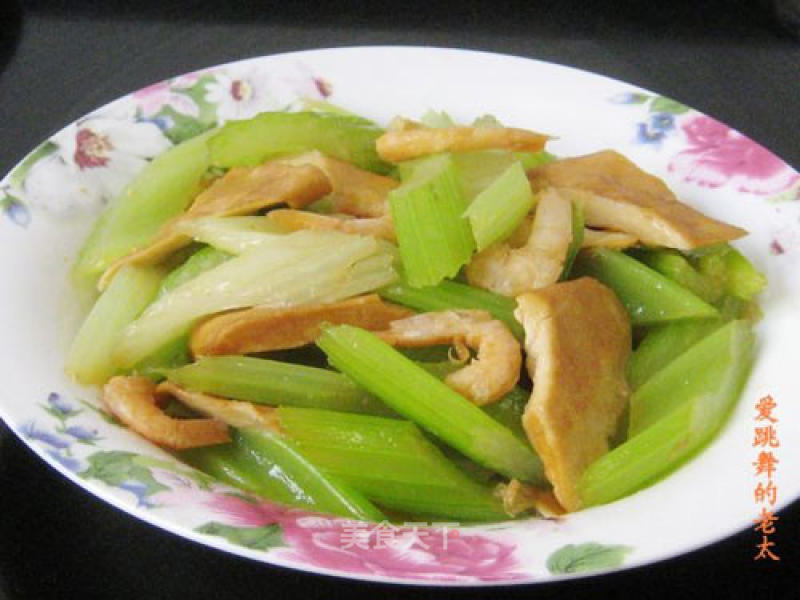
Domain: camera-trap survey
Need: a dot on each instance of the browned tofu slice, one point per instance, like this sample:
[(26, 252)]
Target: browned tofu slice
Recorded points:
[(241, 191), (263, 329), (400, 145), (618, 195), (289, 219), (577, 339), (355, 191)]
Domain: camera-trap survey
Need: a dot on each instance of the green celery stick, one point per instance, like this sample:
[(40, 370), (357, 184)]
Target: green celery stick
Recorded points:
[(576, 241), (476, 171), (500, 207), (672, 264), (420, 397), (89, 358), (390, 461), (670, 440), (449, 295), (648, 296), (280, 460), (201, 261), (272, 382), (731, 269), (434, 239), (706, 369), (267, 135), (508, 411), (663, 343), (163, 189), (530, 160)]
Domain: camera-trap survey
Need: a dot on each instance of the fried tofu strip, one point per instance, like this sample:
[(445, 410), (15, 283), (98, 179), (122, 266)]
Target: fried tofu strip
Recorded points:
[(262, 329), (616, 194), (240, 191), (617, 240), (578, 340), (405, 144), (487, 377), (293, 220), (133, 401), (354, 191), (231, 412)]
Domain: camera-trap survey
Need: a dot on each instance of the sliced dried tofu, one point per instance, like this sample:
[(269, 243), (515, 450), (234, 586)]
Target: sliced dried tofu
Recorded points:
[(578, 340), (405, 144), (512, 271), (616, 194), (293, 220), (520, 497), (241, 191), (617, 240), (355, 191), (231, 412), (263, 329)]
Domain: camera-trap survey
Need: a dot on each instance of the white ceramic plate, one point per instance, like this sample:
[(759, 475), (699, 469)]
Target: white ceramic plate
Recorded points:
[(49, 201)]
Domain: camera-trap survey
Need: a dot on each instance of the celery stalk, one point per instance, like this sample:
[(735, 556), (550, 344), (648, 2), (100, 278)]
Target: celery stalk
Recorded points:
[(648, 296), (508, 411), (477, 170), (672, 264), (308, 267), (279, 459), (89, 357), (706, 369), (499, 209), (663, 343), (272, 382), (163, 189), (390, 461), (271, 134), (231, 234), (422, 398), (201, 261), (668, 441), (576, 241), (731, 269), (434, 238), (451, 294)]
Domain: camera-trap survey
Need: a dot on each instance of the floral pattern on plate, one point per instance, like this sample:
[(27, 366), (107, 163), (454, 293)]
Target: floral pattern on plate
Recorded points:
[(415, 551), (84, 166)]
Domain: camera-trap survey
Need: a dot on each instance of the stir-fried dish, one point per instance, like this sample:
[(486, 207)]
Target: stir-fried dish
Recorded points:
[(428, 320)]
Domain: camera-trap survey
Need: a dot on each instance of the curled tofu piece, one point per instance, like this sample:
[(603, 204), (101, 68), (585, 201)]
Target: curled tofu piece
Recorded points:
[(405, 144), (293, 220), (617, 240), (511, 271), (616, 194), (241, 191), (231, 412), (355, 191), (487, 377), (520, 497), (133, 401), (262, 329), (578, 340)]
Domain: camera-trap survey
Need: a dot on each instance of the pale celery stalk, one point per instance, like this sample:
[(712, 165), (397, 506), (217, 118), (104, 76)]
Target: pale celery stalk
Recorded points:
[(89, 358), (420, 397), (449, 295), (280, 459), (327, 267), (669, 440), (499, 209), (271, 134), (231, 234), (163, 189), (278, 383), (390, 461), (434, 238)]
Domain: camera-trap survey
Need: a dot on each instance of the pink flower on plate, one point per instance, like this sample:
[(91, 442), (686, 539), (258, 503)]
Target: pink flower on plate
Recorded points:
[(426, 553), (154, 98), (718, 155)]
